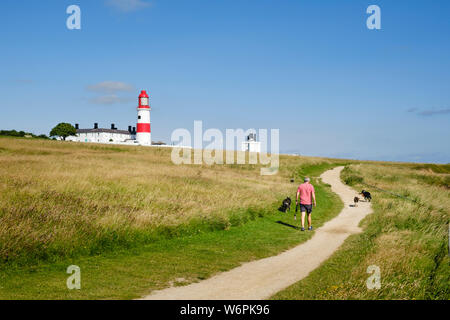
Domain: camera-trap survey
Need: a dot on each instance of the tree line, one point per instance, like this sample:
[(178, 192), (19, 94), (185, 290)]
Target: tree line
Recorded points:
[(21, 134), (62, 130)]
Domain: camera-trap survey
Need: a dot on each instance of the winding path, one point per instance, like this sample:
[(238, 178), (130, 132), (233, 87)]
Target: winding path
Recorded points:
[(263, 278)]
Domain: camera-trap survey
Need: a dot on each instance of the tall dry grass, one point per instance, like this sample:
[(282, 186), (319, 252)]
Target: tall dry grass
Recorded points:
[(411, 243), (63, 198), (406, 237)]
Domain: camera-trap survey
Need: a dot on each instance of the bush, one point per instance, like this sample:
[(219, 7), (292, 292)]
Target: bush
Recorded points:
[(353, 180), (13, 133), (20, 134)]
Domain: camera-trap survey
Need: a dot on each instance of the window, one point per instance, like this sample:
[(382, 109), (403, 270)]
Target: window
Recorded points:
[(144, 101)]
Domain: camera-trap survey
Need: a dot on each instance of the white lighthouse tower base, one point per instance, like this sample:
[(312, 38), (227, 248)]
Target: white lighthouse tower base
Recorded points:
[(144, 138)]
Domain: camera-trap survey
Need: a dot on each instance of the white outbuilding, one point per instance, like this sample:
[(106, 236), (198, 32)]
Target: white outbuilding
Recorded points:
[(250, 144)]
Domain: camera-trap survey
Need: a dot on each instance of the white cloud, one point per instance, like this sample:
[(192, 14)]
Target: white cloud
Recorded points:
[(432, 112), (127, 5), (110, 87), (429, 112), (109, 99)]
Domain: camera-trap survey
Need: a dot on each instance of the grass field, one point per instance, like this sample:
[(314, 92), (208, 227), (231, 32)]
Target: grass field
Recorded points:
[(133, 221), (406, 237)]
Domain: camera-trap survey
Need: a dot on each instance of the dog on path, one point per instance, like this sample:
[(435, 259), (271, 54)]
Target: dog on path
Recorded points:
[(356, 200), (366, 195)]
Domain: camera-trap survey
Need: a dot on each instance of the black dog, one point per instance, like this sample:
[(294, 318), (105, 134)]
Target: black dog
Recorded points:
[(285, 205), (366, 195)]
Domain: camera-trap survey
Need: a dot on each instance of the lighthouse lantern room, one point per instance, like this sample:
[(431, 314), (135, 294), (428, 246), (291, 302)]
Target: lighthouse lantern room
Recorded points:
[(143, 132)]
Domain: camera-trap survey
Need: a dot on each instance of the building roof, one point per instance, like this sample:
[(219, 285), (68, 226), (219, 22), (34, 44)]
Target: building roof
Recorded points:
[(102, 130)]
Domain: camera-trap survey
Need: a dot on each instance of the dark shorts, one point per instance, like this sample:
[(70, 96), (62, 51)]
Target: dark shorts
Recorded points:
[(306, 207)]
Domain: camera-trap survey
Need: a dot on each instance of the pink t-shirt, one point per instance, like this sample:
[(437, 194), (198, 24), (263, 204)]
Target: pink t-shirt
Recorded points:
[(306, 190)]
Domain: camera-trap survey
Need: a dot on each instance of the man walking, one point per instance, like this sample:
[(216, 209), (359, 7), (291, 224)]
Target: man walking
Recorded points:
[(307, 196)]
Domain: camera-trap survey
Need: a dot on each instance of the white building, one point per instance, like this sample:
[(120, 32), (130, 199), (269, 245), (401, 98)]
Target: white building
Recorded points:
[(101, 135), (251, 145)]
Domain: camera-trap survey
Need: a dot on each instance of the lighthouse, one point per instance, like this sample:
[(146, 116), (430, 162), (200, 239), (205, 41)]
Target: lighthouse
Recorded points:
[(143, 133)]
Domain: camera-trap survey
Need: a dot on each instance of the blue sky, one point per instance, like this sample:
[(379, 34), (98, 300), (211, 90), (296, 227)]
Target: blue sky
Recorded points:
[(309, 68)]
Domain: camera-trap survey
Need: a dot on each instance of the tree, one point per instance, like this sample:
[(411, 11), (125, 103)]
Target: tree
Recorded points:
[(63, 130)]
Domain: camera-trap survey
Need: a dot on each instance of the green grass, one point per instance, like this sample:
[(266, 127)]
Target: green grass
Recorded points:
[(407, 239), (126, 274)]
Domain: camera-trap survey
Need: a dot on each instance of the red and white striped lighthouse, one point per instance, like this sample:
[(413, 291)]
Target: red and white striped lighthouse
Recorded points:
[(143, 133)]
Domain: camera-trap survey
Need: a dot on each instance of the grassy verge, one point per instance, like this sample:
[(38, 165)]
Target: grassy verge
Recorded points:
[(126, 274), (406, 237)]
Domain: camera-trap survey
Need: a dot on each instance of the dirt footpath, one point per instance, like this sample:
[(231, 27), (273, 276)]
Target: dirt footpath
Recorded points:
[(263, 278)]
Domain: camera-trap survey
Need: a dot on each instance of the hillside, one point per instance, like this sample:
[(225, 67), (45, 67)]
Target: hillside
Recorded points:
[(135, 222)]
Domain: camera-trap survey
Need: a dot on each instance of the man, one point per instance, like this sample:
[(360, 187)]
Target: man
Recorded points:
[(307, 198)]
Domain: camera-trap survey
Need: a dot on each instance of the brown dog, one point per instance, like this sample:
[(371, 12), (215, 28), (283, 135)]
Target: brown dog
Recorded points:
[(356, 200)]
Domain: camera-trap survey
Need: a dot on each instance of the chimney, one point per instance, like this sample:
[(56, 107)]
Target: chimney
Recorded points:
[(77, 126), (96, 125)]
